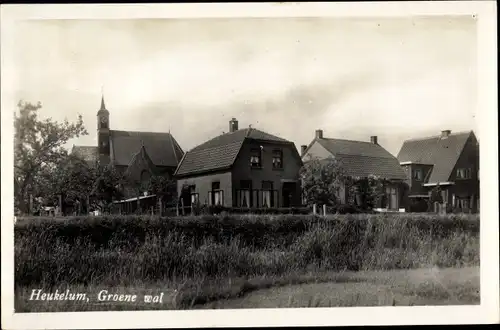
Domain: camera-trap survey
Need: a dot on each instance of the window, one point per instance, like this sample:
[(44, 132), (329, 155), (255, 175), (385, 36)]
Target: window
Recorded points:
[(277, 159), (194, 195), (463, 203), (267, 194), (417, 174), (216, 197), (255, 158), (464, 173), (244, 194)]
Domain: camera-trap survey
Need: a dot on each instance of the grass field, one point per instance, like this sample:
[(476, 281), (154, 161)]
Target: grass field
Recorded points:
[(249, 261)]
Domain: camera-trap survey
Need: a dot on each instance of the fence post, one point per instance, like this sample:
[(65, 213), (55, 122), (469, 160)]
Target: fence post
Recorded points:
[(314, 209), (31, 205), (60, 205), (324, 210)]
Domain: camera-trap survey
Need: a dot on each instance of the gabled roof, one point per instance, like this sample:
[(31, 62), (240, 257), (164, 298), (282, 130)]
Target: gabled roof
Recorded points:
[(442, 153), (87, 153), (138, 161), (162, 148), (361, 159), (221, 151)]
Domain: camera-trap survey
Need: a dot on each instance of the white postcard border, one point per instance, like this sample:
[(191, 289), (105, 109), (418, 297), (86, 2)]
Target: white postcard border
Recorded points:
[(486, 312)]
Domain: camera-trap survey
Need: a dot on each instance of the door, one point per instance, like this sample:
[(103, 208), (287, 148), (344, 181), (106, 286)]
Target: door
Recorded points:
[(289, 193), (392, 198)]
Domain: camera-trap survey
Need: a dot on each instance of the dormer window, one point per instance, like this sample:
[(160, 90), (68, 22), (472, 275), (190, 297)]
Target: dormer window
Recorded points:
[(417, 174), (255, 158)]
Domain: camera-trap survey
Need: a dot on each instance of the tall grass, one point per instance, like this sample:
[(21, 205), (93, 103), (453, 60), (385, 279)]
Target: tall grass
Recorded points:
[(123, 250)]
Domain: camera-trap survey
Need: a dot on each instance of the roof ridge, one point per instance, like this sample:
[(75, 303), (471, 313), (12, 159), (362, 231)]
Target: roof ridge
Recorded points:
[(359, 155), (173, 148), (142, 132), (349, 140), (438, 136)]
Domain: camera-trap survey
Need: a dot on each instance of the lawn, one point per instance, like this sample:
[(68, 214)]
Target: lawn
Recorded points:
[(430, 286)]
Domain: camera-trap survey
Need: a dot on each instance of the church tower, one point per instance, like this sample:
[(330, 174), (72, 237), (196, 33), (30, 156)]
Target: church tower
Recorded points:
[(103, 134)]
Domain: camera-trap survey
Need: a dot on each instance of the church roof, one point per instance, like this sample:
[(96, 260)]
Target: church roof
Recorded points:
[(162, 148)]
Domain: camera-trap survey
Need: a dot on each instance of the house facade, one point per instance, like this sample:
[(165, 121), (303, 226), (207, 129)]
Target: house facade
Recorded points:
[(361, 159), (136, 155), (450, 161), (245, 168)]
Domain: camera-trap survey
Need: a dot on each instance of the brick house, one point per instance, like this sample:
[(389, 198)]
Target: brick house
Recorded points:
[(137, 155), (361, 159), (242, 168), (448, 160)]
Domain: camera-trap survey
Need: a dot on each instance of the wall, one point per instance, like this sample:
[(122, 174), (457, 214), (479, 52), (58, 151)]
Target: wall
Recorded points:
[(204, 185), (290, 171), (468, 159), (316, 150)]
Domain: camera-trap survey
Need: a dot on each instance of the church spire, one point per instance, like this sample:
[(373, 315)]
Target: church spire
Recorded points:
[(103, 106)]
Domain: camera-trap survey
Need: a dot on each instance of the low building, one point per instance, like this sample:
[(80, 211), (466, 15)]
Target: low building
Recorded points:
[(360, 159), (242, 168), (450, 161)]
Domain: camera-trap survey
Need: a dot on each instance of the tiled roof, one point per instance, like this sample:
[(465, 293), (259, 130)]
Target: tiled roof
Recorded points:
[(162, 148), (221, 151), (87, 153), (360, 159), (442, 153)]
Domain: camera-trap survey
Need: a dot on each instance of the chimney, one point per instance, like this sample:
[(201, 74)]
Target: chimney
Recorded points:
[(374, 139), (233, 125), (319, 134), (303, 149), (445, 133)]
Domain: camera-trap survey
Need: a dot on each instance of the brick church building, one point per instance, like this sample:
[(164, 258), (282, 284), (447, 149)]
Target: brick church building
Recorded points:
[(137, 155)]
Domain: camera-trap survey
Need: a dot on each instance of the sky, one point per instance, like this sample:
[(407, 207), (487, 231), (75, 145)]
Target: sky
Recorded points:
[(396, 78)]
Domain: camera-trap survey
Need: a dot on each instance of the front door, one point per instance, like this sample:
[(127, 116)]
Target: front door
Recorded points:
[(289, 193)]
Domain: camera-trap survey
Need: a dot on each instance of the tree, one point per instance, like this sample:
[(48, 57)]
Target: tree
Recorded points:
[(322, 181), (435, 196), (370, 191), (164, 187), (72, 179), (108, 186), (38, 145)]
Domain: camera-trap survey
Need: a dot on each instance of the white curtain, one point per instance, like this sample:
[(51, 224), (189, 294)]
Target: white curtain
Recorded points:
[(266, 198), (245, 198), (217, 197), (194, 198)]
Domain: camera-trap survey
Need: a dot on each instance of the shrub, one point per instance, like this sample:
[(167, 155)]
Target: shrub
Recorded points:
[(115, 250)]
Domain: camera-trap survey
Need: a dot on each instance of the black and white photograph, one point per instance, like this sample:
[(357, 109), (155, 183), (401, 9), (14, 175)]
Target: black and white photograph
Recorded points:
[(272, 164)]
